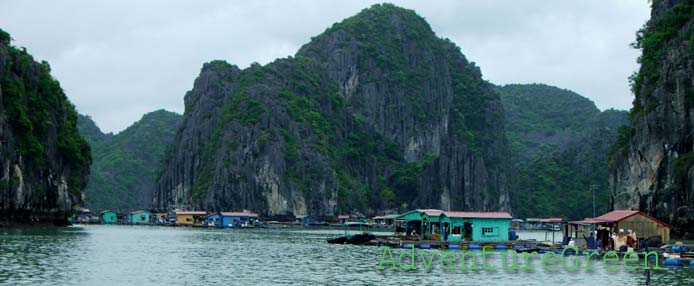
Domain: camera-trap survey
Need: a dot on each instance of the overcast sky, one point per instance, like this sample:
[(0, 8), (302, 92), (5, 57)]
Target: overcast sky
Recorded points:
[(117, 60)]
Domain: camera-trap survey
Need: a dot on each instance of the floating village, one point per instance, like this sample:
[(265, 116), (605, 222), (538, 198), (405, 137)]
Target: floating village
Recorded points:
[(621, 231)]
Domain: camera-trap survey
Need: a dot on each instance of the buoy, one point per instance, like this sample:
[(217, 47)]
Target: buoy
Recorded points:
[(499, 246), (674, 262), (453, 246), (424, 246), (474, 246)]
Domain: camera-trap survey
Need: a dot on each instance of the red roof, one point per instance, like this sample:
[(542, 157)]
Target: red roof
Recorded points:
[(343, 216), (191, 213), (551, 219), (242, 214), (620, 215), (478, 214)]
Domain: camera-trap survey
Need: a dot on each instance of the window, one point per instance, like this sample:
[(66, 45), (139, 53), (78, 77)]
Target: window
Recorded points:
[(490, 231)]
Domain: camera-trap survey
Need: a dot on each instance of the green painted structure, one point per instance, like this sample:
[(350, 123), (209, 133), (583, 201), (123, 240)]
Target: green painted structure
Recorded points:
[(108, 217), (139, 217), (454, 226), (476, 226), (421, 221)]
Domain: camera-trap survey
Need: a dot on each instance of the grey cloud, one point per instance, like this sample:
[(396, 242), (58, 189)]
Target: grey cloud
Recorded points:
[(119, 59)]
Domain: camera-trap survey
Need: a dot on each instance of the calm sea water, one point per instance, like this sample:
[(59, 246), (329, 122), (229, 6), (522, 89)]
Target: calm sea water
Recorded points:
[(148, 255)]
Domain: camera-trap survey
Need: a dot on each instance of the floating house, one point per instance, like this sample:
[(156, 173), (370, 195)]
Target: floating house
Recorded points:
[(476, 226), (614, 222), (108, 217), (343, 218), (213, 219), (231, 219), (457, 225), (305, 219), (84, 216), (379, 220), (238, 219), (139, 217), (190, 217), (421, 222), (159, 218), (390, 219)]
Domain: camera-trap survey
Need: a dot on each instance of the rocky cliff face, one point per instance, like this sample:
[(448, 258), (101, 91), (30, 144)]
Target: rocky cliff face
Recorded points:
[(652, 168), (375, 113), (559, 145), (44, 162), (126, 164)]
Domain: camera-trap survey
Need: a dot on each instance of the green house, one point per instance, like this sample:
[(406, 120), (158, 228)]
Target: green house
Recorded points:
[(139, 217), (476, 226), (421, 222), (108, 217)]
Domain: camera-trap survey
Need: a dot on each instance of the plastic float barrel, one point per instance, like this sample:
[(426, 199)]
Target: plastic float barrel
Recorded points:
[(407, 246), (453, 246), (676, 249), (541, 251), (673, 262), (424, 246), (473, 246), (518, 246), (499, 247)]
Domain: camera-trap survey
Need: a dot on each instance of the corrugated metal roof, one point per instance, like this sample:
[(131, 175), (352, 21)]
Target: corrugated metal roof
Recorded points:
[(191, 212), (616, 215), (343, 216), (478, 214), (241, 214)]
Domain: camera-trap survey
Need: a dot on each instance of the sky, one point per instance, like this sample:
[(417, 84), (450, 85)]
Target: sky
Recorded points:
[(118, 60)]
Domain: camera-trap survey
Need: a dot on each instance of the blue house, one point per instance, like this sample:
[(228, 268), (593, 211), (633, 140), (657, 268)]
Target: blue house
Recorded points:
[(214, 219), (231, 219), (305, 219)]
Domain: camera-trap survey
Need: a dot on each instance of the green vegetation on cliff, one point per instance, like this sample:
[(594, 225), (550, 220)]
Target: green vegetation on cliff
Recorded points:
[(39, 138), (377, 113), (652, 39), (126, 165)]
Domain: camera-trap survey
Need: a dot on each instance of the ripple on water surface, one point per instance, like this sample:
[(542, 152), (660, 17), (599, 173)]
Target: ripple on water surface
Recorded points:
[(148, 255)]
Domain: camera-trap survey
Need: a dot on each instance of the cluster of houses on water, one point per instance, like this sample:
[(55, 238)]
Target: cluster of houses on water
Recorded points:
[(177, 217), (431, 224)]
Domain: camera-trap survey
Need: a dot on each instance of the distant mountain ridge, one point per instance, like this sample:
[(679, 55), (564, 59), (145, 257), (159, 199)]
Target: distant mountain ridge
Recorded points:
[(559, 148), (126, 164)]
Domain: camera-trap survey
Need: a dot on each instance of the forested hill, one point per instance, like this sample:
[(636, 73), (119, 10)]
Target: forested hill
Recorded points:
[(126, 164), (559, 147)]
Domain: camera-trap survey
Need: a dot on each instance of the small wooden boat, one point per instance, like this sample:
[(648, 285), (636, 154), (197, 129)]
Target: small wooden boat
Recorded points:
[(528, 250), (355, 239)]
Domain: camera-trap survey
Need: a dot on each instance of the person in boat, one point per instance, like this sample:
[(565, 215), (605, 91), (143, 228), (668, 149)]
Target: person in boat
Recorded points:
[(590, 241)]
